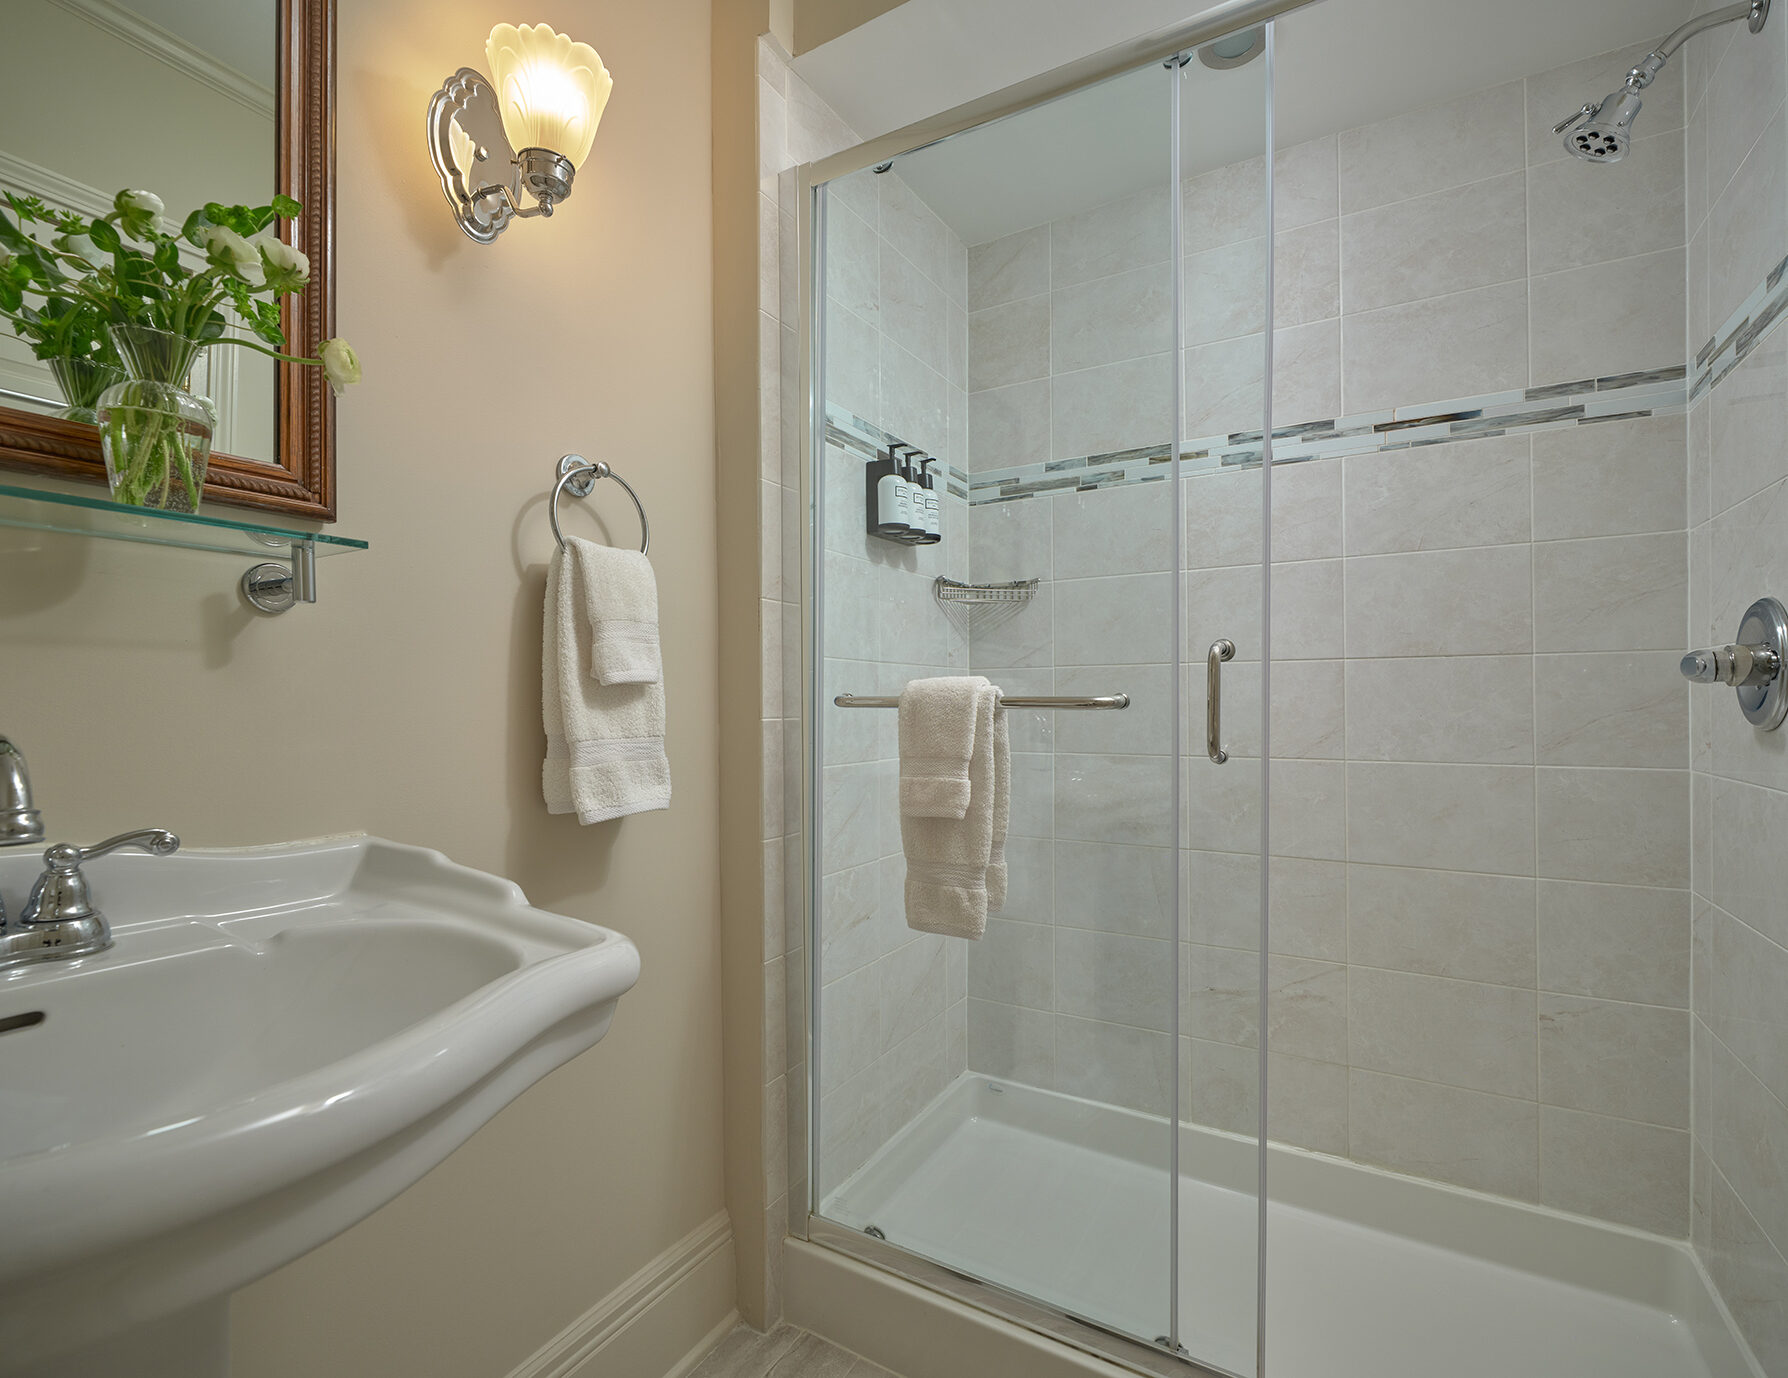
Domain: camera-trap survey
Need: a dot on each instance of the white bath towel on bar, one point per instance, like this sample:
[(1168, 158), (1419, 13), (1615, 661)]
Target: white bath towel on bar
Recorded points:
[(604, 743), (949, 860)]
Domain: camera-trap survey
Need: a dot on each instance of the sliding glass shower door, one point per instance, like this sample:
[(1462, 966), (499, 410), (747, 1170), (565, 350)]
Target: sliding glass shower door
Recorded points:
[(1051, 327)]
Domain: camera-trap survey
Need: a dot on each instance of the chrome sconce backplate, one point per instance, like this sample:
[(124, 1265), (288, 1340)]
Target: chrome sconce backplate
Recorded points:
[(1753, 664), (482, 177)]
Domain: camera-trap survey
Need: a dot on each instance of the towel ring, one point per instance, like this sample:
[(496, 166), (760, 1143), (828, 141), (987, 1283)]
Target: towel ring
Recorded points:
[(579, 475)]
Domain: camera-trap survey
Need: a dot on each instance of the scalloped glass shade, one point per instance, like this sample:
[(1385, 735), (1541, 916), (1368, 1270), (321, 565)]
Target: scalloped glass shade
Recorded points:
[(550, 90)]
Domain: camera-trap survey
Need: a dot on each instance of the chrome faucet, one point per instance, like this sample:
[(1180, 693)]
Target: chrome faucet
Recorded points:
[(20, 823), (60, 920)]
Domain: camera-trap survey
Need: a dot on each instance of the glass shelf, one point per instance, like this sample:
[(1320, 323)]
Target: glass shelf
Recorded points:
[(75, 514)]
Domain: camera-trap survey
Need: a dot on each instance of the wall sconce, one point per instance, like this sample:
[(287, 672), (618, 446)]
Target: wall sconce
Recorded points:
[(528, 127)]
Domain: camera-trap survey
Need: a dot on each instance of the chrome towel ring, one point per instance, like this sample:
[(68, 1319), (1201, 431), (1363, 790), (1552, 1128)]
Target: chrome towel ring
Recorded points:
[(578, 476)]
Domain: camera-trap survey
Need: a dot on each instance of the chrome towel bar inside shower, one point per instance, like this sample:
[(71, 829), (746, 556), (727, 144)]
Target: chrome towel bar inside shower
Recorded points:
[(1108, 701)]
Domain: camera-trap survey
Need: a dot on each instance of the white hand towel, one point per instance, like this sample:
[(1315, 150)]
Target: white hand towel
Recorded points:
[(937, 736), (620, 597), (604, 744), (947, 859)]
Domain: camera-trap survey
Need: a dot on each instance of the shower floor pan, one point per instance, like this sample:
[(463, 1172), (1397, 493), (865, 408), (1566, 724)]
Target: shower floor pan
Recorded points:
[(1370, 1274)]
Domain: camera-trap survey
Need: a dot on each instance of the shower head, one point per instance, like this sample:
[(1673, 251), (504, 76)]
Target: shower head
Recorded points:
[(1602, 133)]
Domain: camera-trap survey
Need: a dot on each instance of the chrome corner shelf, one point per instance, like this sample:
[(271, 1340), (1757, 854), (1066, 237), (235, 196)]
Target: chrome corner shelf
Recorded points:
[(269, 585), (951, 591)]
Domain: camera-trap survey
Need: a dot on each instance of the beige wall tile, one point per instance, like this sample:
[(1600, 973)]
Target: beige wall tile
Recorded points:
[(1471, 493), (1009, 1042), (1462, 1033), (1609, 318), (1118, 406), (1008, 343), (1616, 593), (1570, 205), (1632, 1174), (1630, 827), (1446, 1133), (1445, 602), (1474, 709), (1447, 241), (1114, 1063), (1438, 349), (1615, 942), (1006, 269), (1615, 478), (1115, 978), (1448, 817), (1442, 923), (1615, 1059), (1014, 964), (1441, 145), (1122, 316), (1112, 238), (1611, 709)]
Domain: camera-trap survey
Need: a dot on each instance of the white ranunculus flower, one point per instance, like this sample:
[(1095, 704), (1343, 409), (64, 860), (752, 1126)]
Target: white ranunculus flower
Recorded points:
[(287, 267), (341, 365), (80, 246), (139, 210), (227, 249)]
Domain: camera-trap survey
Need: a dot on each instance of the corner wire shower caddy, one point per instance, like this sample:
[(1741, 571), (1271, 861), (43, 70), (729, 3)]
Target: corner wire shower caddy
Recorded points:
[(948, 591)]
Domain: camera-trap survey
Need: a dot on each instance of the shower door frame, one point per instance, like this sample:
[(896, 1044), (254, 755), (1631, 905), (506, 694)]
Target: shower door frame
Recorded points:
[(804, 1220)]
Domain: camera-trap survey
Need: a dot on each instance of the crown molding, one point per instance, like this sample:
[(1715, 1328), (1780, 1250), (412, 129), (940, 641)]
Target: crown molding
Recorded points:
[(172, 50)]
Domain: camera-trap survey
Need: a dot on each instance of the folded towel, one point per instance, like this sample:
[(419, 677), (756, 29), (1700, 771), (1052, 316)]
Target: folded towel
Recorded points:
[(937, 735), (620, 597), (604, 744), (947, 859)]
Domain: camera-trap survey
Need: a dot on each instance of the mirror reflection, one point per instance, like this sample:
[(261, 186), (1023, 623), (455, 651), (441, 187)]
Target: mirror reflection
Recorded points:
[(176, 97)]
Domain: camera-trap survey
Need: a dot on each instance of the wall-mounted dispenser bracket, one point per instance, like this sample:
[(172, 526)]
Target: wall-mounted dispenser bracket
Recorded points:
[(275, 588), (1752, 665)]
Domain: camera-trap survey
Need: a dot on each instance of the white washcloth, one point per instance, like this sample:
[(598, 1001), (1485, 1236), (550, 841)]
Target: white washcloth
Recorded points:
[(937, 737), (604, 744), (620, 597), (948, 859)]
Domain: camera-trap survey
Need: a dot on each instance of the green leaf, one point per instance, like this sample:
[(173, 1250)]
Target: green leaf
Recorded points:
[(286, 208), (105, 236)]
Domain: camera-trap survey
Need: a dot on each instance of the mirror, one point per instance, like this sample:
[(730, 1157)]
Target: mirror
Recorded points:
[(196, 101)]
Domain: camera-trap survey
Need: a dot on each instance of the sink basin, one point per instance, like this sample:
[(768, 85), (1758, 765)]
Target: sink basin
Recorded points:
[(281, 1040)]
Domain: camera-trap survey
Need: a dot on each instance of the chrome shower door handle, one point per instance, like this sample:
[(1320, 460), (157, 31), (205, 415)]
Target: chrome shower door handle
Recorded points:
[(1222, 649)]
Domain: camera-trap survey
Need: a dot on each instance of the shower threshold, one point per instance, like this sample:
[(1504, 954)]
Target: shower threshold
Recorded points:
[(1371, 1274)]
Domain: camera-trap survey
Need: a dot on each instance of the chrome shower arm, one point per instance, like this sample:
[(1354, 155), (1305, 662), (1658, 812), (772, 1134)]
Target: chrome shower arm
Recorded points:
[(1754, 11)]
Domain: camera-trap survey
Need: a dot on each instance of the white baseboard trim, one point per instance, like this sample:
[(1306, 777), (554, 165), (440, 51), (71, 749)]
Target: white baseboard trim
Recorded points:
[(647, 1327)]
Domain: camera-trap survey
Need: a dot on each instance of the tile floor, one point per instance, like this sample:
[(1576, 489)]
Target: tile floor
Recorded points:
[(783, 1353)]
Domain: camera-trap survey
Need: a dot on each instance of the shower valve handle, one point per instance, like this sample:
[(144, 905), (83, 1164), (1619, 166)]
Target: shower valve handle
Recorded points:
[(1743, 667)]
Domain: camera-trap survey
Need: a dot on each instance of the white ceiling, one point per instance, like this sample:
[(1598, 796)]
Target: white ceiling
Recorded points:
[(1339, 63)]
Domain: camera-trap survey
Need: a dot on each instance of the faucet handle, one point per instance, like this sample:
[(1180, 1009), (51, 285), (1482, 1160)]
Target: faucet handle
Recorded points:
[(20, 822), (61, 894)]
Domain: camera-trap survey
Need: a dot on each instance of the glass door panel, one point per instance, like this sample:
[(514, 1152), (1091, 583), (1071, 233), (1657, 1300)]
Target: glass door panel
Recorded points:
[(1003, 303), (1226, 263)]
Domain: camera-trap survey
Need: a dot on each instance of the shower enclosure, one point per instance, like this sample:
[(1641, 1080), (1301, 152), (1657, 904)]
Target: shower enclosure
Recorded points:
[(1332, 464)]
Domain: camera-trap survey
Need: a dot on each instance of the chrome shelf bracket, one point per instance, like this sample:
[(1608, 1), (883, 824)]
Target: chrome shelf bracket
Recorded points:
[(273, 588)]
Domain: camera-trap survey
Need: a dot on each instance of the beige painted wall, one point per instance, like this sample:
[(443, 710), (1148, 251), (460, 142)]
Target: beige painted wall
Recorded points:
[(405, 702)]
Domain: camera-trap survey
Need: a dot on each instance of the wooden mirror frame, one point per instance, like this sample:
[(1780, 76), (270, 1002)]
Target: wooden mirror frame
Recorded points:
[(301, 481)]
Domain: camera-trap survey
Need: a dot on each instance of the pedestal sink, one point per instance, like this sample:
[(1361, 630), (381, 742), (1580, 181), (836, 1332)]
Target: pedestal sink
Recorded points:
[(281, 1040)]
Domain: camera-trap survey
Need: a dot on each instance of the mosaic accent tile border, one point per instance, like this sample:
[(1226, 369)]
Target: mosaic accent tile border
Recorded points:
[(1621, 397), (1436, 423), (1755, 316)]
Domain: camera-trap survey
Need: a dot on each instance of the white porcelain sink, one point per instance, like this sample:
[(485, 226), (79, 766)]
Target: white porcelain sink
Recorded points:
[(281, 1040)]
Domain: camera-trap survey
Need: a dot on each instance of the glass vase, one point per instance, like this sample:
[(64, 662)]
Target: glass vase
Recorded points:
[(81, 381), (155, 432)]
